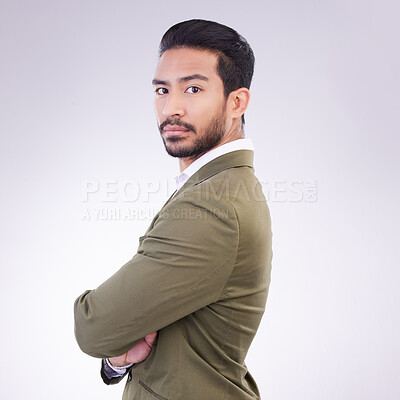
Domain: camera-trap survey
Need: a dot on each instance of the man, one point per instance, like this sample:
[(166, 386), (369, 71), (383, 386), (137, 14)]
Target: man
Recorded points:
[(179, 317)]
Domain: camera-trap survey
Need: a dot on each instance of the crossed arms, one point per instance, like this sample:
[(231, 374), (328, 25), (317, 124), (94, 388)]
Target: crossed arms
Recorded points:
[(182, 264)]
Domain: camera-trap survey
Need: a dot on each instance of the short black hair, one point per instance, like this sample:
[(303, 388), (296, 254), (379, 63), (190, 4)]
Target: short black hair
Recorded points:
[(235, 56)]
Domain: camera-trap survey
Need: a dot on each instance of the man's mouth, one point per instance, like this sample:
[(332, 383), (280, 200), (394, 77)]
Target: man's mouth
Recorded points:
[(174, 130)]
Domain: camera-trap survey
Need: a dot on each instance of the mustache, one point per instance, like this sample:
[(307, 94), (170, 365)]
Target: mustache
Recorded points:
[(176, 121)]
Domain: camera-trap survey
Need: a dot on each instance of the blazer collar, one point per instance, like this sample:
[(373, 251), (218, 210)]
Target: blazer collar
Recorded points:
[(238, 158)]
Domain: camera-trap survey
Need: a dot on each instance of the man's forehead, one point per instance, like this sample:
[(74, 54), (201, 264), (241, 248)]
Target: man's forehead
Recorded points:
[(176, 64)]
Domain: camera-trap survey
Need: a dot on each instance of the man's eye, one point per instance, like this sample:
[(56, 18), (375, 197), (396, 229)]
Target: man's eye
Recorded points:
[(161, 91), (193, 89)]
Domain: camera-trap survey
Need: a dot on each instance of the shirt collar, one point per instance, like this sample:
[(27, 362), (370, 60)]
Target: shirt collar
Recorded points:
[(239, 144)]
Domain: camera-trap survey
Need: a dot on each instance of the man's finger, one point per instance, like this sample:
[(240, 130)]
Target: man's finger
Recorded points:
[(149, 339)]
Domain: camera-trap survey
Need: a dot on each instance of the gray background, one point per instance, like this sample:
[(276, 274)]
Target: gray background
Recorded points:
[(76, 112)]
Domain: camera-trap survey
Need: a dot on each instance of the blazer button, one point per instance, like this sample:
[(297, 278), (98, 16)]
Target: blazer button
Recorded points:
[(129, 376)]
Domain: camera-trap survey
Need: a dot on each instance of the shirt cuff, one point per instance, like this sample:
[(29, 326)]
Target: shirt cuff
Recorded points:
[(112, 371)]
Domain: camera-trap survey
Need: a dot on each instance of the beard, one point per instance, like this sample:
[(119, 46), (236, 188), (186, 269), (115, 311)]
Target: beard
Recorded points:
[(213, 134)]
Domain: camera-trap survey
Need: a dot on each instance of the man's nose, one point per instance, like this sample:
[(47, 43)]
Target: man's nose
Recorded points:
[(174, 105)]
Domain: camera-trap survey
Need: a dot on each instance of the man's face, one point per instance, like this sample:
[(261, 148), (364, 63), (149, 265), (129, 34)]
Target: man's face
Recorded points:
[(189, 102)]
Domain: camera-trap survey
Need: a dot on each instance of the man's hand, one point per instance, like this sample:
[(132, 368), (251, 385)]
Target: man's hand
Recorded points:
[(136, 354)]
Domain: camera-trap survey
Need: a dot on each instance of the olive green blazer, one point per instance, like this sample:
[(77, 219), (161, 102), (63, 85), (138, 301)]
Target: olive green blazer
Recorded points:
[(200, 278)]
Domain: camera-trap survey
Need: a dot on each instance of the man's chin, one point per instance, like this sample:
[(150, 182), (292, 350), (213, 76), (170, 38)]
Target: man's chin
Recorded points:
[(179, 152), (176, 148)]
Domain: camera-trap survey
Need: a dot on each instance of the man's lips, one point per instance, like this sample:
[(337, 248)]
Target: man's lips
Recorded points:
[(174, 130)]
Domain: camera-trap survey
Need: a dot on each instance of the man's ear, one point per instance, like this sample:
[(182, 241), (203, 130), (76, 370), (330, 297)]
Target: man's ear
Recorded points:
[(239, 101)]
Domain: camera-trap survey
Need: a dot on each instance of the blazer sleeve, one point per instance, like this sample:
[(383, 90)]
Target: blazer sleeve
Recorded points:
[(182, 264)]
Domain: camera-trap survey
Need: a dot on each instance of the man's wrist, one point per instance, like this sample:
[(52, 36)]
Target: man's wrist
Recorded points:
[(117, 367), (115, 364)]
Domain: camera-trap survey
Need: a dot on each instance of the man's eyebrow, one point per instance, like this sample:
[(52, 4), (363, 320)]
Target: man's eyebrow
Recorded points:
[(183, 79), (191, 77), (158, 82)]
